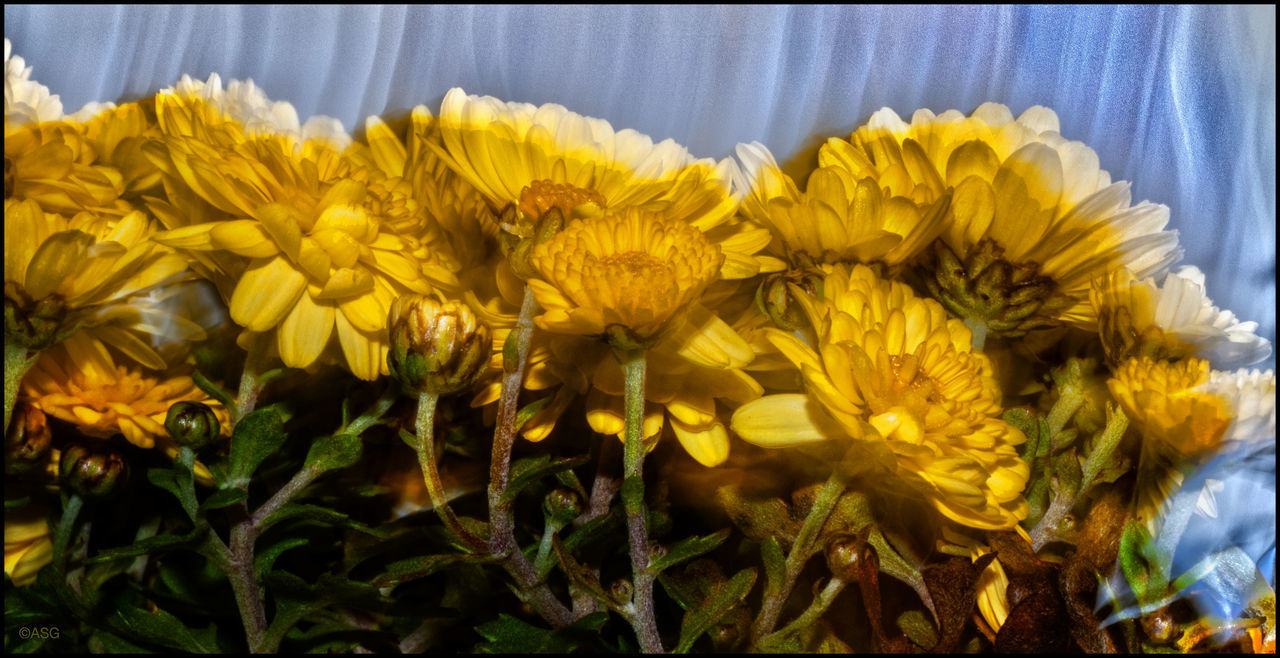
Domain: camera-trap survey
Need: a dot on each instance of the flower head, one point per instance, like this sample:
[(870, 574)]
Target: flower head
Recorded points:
[(28, 541), (303, 241), (25, 100), (624, 274), (436, 347), (1173, 321), (890, 372), (79, 382), (839, 217), (1033, 220)]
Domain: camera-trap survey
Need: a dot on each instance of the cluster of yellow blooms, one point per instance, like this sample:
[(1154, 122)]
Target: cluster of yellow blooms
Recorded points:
[(871, 291)]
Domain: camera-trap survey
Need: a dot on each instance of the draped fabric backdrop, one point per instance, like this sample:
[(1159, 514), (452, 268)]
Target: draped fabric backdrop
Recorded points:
[(1179, 100)]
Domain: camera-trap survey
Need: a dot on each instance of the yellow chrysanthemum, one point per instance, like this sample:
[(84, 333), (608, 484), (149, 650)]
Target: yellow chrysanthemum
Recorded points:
[(28, 544), (891, 371), (627, 273), (55, 165), (1168, 401), (1033, 219), (839, 217), (1173, 321), (303, 241), (80, 383), (90, 270)]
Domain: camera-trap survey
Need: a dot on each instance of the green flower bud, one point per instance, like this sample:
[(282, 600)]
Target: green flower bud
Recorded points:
[(621, 591), (92, 472), (436, 348), (28, 440), (192, 424), (562, 506), (1009, 298), (776, 298), (849, 556)]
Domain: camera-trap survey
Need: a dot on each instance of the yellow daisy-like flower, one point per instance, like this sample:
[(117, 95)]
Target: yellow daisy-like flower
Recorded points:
[(503, 148), (25, 100), (89, 270), (54, 165), (304, 241), (80, 383), (624, 274), (1172, 321), (28, 544), (891, 372), (839, 217), (1033, 219)]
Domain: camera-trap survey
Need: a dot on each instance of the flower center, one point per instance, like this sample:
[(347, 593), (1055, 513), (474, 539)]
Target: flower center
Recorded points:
[(542, 195)]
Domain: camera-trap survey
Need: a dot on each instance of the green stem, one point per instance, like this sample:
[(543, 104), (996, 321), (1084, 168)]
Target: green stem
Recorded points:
[(544, 560), (431, 474), (374, 414), (244, 580), (634, 449), (821, 602), (250, 384), (17, 362), (801, 550)]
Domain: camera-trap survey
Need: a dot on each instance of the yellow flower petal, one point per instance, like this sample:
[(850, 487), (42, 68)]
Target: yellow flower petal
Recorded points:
[(305, 332), (776, 421), (266, 292)]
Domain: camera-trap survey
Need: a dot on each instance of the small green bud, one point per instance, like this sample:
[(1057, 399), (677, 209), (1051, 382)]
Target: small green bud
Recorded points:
[(192, 424), (435, 347), (36, 324), (562, 506), (621, 591), (848, 556), (92, 472), (28, 439)]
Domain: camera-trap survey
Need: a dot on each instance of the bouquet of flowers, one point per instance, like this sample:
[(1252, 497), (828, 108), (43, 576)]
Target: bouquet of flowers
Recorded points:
[(500, 377)]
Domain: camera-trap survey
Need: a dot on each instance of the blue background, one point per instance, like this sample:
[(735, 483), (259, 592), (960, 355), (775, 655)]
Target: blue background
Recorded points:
[(1179, 100)]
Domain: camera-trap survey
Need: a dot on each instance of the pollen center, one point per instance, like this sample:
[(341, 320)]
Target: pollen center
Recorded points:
[(542, 195)]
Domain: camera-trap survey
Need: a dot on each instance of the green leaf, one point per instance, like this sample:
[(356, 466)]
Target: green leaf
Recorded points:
[(915, 624), (223, 498), (775, 564), (895, 565), (529, 410), (179, 483), (266, 558), (216, 392), (526, 472), (723, 598), (156, 544), (593, 531), (580, 576), (404, 571), (687, 549), (256, 436), (319, 514), (160, 628), (333, 452), (507, 634), (104, 642)]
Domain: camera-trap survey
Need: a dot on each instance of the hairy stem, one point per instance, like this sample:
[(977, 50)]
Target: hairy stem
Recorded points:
[(799, 555), (244, 581), (431, 474), (17, 361), (374, 414), (821, 602), (641, 617), (247, 396)]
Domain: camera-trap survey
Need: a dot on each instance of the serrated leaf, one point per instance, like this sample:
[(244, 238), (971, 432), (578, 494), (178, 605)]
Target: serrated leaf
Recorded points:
[(593, 531), (254, 438), (915, 624), (758, 517), (223, 498), (506, 634), (529, 471), (687, 549), (333, 452), (722, 599), (179, 482), (403, 571)]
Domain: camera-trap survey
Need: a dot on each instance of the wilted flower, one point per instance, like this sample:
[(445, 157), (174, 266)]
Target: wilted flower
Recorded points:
[(891, 372)]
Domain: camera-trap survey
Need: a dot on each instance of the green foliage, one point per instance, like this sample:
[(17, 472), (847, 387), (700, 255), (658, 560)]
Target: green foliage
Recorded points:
[(333, 452), (507, 634), (255, 437)]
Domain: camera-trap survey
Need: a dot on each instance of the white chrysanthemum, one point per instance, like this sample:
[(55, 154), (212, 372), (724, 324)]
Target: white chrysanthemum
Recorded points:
[(245, 102), (1174, 320), (25, 100), (1252, 396)]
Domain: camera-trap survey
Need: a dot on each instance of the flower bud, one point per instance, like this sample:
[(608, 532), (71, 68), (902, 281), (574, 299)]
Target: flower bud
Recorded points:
[(436, 348), (562, 506), (28, 439), (92, 472), (776, 298), (849, 555), (192, 424), (1159, 627), (621, 591)]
